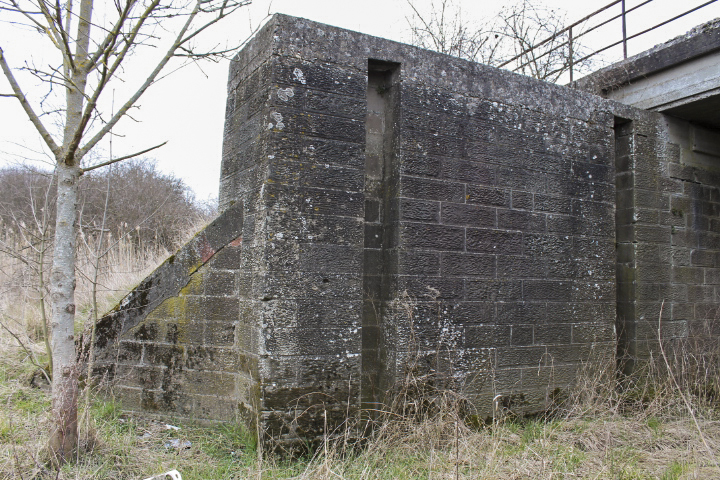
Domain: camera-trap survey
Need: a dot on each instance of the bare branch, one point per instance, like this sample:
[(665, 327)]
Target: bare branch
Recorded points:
[(111, 38), (221, 15), (106, 74), (120, 159), (28, 352), (148, 81), (211, 55), (526, 38), (64, 35), (54, 30), (47, 138), (75, 121), (12, 253)]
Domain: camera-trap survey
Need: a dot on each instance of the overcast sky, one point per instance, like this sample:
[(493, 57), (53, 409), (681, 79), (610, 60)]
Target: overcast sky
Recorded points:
[(187, 108)]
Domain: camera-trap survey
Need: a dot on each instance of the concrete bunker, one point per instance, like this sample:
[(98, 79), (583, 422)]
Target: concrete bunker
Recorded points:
[(386, 208)]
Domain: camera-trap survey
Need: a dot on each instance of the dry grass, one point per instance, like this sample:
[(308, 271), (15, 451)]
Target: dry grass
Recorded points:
[(110, 265), (644, 432), (610, 436), (648, 431)]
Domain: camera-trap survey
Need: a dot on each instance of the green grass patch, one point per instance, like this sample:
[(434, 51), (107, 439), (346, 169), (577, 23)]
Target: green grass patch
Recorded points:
[(29, 401), (10, 433), (674, 471)]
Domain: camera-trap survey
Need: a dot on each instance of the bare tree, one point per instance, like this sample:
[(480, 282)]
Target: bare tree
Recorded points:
[(524, 37), (90, 55), (446, 31), (534, 41)]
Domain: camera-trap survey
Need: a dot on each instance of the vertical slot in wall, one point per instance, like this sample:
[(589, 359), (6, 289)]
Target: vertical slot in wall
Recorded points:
[(625, 243), (380, 176)]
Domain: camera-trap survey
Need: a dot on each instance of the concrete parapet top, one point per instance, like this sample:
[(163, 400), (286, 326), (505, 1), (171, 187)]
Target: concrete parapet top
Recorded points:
[(701, 40)]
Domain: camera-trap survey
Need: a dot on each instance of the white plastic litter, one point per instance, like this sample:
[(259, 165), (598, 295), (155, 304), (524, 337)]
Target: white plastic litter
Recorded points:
[(173, 474), (179, 444), (171, 427)]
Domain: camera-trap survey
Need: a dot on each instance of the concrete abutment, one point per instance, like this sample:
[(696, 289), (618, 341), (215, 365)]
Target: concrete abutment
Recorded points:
[(388, 210)]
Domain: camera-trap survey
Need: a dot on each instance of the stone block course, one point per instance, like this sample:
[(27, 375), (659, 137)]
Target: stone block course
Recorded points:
[(488, 196)]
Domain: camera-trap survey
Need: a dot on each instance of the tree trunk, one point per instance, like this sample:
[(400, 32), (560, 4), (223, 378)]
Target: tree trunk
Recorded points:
[(63, 430), (133, 26), (63, 433)]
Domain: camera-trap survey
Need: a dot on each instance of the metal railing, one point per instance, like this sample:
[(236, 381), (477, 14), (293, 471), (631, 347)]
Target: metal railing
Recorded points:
[(573, 36)]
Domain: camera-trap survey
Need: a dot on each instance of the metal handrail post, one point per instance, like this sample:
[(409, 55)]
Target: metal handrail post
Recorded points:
[(624, 30)]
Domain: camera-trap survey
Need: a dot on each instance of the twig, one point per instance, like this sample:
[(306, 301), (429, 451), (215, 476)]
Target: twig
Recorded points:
[(457, 451), (120, 159), (29, 353)]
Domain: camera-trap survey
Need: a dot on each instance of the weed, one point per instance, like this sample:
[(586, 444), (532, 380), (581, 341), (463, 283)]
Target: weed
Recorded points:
[(674, 471), (566, 459), (106, 410), (8, 432), (30, 401), (654, 424)]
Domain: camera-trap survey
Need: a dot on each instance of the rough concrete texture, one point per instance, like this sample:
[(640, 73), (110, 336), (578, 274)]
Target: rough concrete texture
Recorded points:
[(409, 213), (668, 236), (174, 346)]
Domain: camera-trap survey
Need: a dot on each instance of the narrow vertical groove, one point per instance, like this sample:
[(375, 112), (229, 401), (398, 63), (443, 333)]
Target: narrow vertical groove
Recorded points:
[(625, 246), (382, 97)]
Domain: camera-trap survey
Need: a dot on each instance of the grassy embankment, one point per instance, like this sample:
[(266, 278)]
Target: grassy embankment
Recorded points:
[(665, 428)]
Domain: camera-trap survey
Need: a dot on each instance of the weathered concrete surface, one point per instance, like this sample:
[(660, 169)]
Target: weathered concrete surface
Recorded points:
[(409, 213), (668, 236), (416, 212), (170, 345), (667, 180), (679, 77)]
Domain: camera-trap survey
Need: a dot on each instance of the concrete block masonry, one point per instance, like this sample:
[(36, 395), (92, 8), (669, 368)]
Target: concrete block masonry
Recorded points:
[(387, 210)]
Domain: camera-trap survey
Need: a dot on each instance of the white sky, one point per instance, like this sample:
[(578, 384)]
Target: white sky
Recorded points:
[(187, 108)]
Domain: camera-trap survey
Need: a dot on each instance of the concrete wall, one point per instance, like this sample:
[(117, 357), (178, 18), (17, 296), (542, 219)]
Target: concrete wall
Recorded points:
[(476, 224), (172, 346), (405, 212), (668, 235)]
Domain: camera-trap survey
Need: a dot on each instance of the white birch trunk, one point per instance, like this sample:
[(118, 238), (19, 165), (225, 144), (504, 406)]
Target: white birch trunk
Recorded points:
[(63, 435)]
